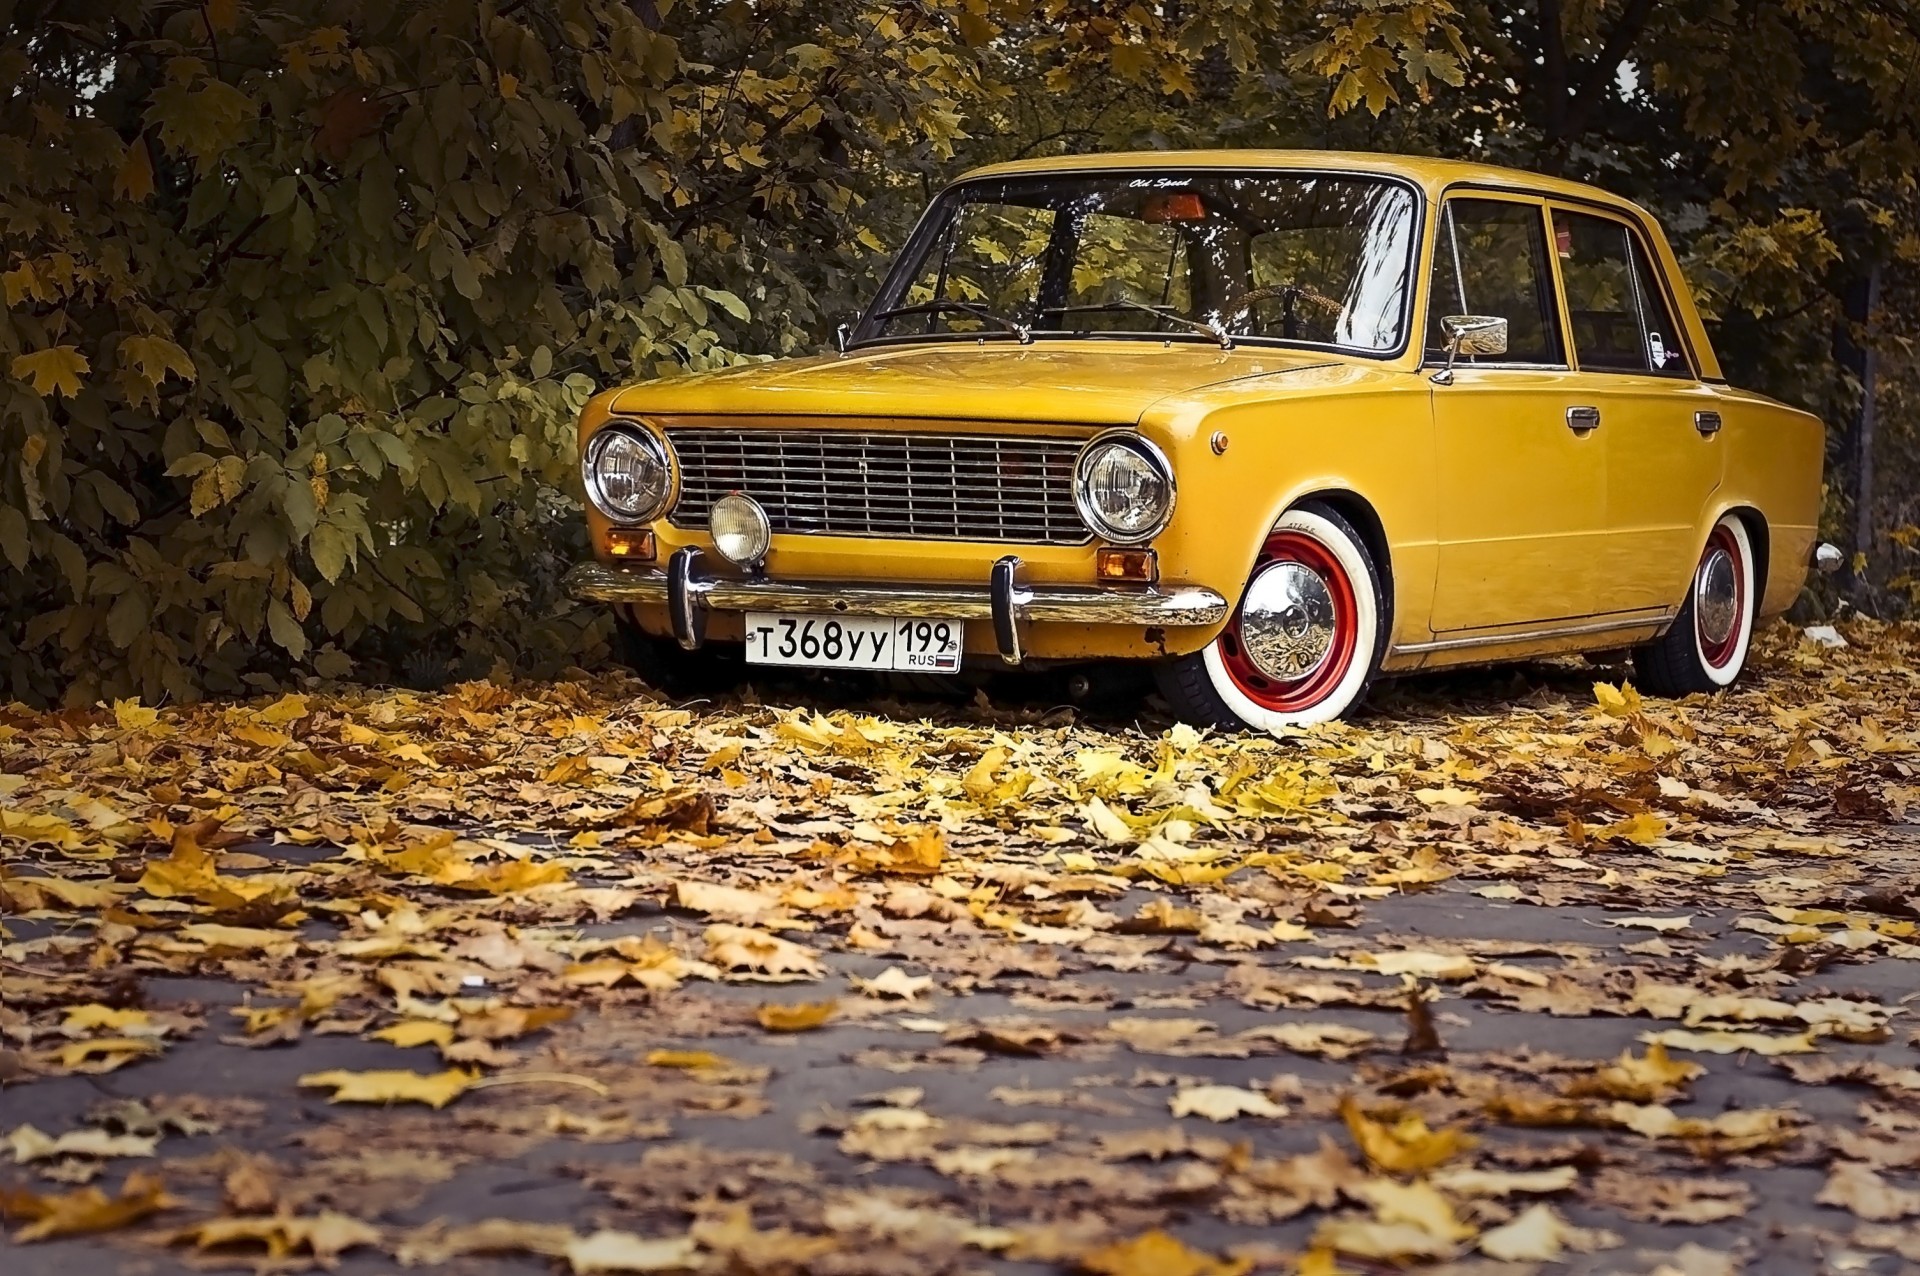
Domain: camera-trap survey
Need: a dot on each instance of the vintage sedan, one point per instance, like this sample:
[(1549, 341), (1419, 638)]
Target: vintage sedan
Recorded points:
[(1276, 422)]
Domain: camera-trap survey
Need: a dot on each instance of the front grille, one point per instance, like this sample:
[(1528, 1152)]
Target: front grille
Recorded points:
[(973, 487)]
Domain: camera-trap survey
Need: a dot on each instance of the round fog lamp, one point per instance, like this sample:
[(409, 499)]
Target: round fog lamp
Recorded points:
[(741, 530)]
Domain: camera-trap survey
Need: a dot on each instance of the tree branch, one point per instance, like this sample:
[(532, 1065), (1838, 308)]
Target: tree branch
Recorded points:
[(1619, 43), (1553, 69)]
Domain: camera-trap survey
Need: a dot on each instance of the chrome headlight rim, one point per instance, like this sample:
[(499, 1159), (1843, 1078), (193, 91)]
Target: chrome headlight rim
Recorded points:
[(1146, 449), (647, 437)]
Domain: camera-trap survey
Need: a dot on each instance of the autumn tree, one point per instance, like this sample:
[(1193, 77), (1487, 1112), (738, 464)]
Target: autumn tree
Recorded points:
[(301, 300)]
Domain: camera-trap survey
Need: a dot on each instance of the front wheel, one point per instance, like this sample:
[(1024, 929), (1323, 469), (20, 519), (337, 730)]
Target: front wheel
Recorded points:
[(1304, 641), (1706, 648)]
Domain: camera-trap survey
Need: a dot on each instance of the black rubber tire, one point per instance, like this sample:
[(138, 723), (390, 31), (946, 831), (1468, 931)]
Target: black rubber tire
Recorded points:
[(1671, 665), (1188, 688), (670, 669)]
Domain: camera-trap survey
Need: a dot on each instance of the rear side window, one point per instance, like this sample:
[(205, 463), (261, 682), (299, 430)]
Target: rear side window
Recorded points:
[(1491, 259), (1620, 318)]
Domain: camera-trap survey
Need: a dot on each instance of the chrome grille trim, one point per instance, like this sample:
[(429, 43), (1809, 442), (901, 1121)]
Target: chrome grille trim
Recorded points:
[(909, 485)]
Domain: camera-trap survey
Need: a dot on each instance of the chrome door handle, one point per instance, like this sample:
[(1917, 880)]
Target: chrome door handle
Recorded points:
[(1583, 420), (1707, 422)]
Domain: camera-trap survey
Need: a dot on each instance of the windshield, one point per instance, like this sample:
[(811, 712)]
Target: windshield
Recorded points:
[(1301, 258)]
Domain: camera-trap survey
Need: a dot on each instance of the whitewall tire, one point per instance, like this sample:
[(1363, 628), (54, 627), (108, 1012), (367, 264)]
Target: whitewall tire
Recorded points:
[(1706, 648), (1304, 641)]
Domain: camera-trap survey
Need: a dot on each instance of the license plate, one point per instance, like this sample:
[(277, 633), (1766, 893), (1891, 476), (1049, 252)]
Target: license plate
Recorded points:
[(854, 642)]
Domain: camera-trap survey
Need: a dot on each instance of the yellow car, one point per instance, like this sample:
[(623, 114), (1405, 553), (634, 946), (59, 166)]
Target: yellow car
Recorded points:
[(1276, 422)]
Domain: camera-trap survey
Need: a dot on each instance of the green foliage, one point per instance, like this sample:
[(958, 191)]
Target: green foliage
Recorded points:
[(302, 300)]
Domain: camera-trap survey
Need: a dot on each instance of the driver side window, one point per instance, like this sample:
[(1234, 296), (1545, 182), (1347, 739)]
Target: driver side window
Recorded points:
[(1490, 258)]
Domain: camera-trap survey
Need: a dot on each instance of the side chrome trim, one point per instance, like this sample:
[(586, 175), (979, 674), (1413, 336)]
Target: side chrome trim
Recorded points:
[(1615, 625), (689, 594)]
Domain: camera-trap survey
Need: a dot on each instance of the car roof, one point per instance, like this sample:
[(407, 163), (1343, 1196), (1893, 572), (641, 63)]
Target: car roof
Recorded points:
[(1431, 175)]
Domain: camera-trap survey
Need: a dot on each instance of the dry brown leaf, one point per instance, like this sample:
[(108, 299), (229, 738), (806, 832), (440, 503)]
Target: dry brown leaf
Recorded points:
[(1653, 1199), (1224, 1103), (1860, 1189), (1539, 1234), (87, 1211)]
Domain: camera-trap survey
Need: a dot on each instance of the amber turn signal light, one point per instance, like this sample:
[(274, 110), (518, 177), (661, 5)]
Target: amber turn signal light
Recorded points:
[(1134, 566), (630, 546)]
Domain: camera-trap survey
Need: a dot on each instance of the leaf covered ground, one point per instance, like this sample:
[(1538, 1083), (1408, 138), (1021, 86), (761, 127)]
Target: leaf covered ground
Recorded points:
[(1517, 973)]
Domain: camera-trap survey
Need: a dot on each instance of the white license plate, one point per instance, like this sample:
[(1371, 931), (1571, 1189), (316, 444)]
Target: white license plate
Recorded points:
[(854, 642)]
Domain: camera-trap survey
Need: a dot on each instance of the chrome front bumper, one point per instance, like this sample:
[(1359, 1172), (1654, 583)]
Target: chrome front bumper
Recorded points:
[(689, 593)]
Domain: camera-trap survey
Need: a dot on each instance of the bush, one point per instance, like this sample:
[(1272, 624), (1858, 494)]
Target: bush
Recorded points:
[(300, 309)]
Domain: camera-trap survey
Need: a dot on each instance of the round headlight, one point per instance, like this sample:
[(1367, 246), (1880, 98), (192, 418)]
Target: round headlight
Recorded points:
[(1123, 488), (741, 530), (628, 474)]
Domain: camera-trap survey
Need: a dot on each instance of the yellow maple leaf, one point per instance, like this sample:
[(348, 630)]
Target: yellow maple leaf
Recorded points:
[(1407, 1146), (416, 1032), (155, 357), (130, 715), (134, 181), (104, 1054), (436, 1090), (1640, 1079), (88, 1210), (690, 1059), (1616, 702), (1157, 1253), (55, 370), (799, 1017)]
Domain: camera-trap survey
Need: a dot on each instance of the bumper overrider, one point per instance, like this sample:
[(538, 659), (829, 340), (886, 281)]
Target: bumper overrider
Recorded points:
[(689, 592)]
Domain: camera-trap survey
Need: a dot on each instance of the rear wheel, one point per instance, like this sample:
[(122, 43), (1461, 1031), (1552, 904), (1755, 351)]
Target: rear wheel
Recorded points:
[(1304, 641), (1706, 648)]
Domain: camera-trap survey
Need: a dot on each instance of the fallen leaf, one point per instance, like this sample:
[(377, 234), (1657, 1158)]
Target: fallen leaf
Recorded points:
[(88, 1210), (1223, 1103), (1540, 1235), (739, 948), (436, 1090), (798, 1017), (1156, 1253), (325, 1236), (1407, 1146), (1861, 1190), (610, 1251), (893, 982), (1718, 1041)]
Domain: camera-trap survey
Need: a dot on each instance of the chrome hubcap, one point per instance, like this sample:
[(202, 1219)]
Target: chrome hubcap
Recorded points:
[(1716, 597), (1286, 621)]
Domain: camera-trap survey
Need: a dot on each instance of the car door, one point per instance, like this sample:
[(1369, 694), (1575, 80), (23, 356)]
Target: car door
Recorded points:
[(1658, 425), (1521, 492)]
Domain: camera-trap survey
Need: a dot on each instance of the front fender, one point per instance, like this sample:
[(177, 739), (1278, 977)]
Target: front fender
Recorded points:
[(1346, 430)]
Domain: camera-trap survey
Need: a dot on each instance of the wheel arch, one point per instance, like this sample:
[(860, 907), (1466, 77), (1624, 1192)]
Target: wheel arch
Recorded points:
[(1756, 524), (1359, 511)]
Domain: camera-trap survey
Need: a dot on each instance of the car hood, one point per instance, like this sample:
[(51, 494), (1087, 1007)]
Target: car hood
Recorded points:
[(1109, 382)]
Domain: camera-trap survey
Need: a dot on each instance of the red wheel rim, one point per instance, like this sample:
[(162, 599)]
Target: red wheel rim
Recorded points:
[(1719, 655), (1300, 694)]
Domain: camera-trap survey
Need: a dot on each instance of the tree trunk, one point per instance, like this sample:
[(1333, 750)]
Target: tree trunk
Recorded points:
[(1853, 348)]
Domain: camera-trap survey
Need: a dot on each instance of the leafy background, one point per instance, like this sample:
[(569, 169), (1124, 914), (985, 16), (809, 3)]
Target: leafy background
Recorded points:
[(301, 299)]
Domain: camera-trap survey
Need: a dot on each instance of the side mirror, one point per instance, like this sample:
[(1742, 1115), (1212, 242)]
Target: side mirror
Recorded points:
[(1470, 334), (843, 334)]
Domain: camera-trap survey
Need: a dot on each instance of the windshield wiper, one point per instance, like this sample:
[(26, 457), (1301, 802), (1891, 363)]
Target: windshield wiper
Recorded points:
[(1211, 329), (974, 308)]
